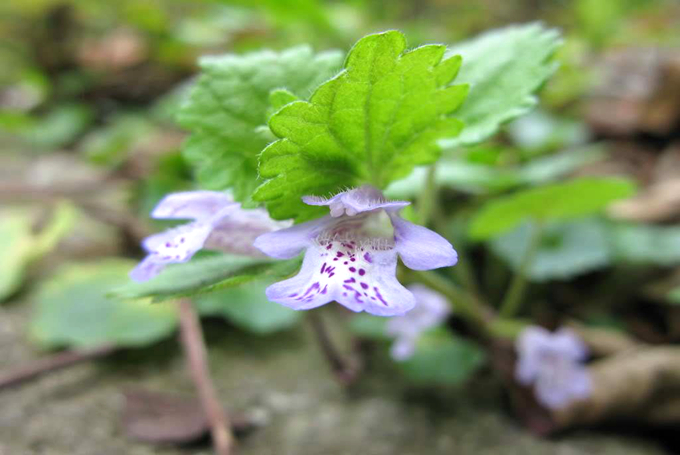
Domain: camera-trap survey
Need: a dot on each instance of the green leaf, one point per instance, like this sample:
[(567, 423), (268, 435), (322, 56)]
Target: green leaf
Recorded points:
[(442, 358), (228, 107), (374, 122), (475, 178), (71, 309), (646, 244), (61, 126), (205, 274), (504, 69), (673, 296), (247, 307), (566, 249), (560, 201), (19, 246)]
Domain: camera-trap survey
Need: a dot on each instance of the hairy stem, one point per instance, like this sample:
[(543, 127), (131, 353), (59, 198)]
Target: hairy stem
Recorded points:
[(344, 371), (513, 297), (193, 343)]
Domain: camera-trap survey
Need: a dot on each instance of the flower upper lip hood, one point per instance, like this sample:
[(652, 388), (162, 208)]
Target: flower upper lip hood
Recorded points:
[(218, 223), (351, 262), (554, 364)]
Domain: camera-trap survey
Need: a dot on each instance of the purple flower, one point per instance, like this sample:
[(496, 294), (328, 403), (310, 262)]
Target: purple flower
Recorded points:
[(219, 224), (351, 254), (554, 364), (431, 310)]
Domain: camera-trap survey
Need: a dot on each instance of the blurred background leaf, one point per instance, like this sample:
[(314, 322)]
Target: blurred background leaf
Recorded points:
[(71, 309), (247, 307)]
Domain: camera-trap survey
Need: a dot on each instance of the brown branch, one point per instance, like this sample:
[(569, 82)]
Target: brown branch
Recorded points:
[(53, 363), (345, 372), (191, 336)]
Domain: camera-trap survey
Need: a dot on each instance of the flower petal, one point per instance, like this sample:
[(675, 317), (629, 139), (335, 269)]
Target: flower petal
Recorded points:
[(421, 248), (191, 205), (146, 269), (570, 344), (529, 345), (236, 233), (551, 395), (173, 246), (362, 199), (304, 290), (288, 243), (403, 349), (581, 385), (358, 277)]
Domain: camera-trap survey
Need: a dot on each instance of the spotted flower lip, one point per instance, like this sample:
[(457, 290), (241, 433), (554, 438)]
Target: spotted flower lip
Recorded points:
[(218, 224), (554, 364), (430, 311), (351, 254)]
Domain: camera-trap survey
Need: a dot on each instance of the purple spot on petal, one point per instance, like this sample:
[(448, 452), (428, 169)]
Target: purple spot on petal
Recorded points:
[(367, 258), (362, 272), (364, 285), (351, 280), (379, 296), (352, 269)]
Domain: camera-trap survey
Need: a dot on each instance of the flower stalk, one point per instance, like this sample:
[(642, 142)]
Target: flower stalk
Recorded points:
[(513, 297)]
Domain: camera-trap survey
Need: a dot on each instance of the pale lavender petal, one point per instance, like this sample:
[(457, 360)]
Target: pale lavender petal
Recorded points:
[(147, 269), (359, 277), (288, 243), (192, 205), (377, 289), (403, 349), (552, 362), (570, 344), (581, 383), (236, 233), (421, 248), (551, 396), (531, 342), (431, 310), (363, 199), (526, 370), (306, 289), (174, 246)]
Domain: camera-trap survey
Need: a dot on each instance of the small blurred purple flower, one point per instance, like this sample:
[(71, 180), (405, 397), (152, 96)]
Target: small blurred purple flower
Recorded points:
[(219, 224), (351, 254), (554, 364), (431, 310)]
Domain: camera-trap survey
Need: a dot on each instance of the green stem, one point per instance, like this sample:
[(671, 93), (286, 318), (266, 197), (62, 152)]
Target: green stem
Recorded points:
[(427, 199), (513, 297)]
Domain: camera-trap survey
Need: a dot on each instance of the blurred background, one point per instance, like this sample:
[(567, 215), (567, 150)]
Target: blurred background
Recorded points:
[(88, 145)]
